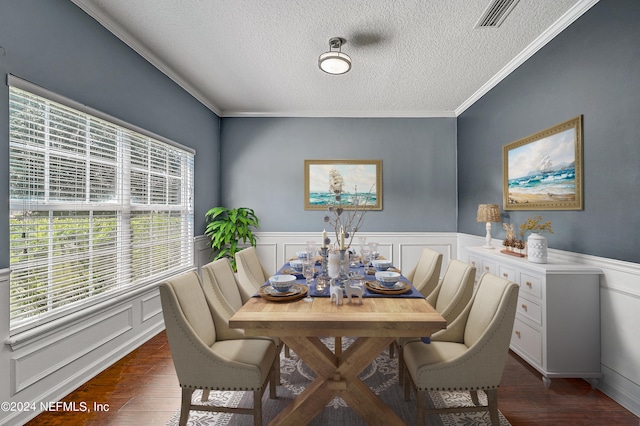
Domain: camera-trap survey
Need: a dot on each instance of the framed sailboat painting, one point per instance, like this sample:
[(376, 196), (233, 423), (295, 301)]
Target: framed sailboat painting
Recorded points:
[(544, 171)]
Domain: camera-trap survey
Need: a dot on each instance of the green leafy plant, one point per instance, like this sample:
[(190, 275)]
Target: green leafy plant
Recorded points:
[(227, 228)]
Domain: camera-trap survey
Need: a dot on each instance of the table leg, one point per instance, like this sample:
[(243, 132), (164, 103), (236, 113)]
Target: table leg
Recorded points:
[(337, 376)]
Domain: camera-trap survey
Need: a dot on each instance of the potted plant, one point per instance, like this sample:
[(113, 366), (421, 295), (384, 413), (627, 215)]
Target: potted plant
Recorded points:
[(227, 228)]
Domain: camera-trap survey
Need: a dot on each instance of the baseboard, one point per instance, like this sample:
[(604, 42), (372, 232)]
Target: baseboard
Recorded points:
[(621, 390)]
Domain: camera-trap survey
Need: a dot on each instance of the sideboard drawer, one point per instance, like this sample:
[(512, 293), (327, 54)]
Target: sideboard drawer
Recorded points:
[(507, 273), (528, 339), (475, 262), (529, 309), (532, 284), (488, 267)]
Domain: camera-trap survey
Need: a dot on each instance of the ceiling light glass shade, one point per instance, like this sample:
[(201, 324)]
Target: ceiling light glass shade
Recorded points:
[(334, 62)]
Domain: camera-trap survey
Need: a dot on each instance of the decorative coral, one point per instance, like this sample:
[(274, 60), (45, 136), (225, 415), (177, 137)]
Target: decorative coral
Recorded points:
[(535, 224)]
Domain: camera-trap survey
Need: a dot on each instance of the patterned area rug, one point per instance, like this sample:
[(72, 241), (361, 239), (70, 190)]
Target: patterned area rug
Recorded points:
[(381, 376)]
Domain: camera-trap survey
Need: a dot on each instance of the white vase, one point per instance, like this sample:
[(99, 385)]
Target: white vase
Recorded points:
[(537, 248), (333, 267)]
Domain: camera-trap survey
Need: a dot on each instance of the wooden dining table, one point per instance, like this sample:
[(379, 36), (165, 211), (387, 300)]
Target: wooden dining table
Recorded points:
[(374, 324)]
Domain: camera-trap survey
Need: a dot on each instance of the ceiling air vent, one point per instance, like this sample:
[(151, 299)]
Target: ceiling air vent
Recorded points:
[(495, 13)]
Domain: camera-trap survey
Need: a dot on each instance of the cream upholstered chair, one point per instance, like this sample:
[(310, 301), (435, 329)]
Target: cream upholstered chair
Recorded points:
[(449, 298), (221, 288), (251, 276), (470, 354), (454, 291), (204, 361), (251, 273), (424, 277), (426, 273)]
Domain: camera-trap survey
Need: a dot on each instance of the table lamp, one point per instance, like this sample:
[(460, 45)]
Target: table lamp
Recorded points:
[(488, 213)]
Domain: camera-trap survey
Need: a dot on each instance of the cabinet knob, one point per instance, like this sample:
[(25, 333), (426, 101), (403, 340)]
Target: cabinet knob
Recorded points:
[(473, 263), (518, 333), (504, 274), (486, 268), (528, 283), (524, 307)]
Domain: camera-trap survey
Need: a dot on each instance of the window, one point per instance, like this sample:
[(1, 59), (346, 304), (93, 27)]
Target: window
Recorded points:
[(97, 207)]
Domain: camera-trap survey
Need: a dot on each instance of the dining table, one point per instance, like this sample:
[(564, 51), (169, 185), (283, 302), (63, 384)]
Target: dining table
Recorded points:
[(374, 324)]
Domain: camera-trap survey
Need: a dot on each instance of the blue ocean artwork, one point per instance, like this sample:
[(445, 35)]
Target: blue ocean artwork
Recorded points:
[(544, 170), (550, 183), (326, 198)]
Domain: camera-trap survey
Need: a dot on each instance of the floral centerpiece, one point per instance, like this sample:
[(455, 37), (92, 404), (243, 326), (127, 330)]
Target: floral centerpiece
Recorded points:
[(345, 212)]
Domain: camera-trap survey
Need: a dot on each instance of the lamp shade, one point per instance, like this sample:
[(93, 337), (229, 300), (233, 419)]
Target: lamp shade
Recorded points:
[(488, 213)]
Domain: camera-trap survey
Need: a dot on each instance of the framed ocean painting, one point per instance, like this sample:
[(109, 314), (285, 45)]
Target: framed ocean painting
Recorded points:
[(360, 180), (544, 171)]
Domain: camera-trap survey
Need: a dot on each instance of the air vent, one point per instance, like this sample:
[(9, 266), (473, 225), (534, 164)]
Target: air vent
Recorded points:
[(496, 13)]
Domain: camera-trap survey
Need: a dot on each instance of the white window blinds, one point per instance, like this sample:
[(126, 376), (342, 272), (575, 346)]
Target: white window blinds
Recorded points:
[(96, 208)]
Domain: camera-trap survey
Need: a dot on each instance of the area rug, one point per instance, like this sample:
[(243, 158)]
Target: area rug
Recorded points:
[(381, 376)]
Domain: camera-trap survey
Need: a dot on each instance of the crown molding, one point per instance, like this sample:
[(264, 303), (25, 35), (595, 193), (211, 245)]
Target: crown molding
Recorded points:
[(127, 38), (556, 28), (342, 114)]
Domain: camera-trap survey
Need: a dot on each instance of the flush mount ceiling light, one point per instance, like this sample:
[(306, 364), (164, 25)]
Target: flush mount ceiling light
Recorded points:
[(334, 61)]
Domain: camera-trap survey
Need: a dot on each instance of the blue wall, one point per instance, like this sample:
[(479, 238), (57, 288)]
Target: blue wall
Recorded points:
[(263, 168), (54, 44), (592, 68)]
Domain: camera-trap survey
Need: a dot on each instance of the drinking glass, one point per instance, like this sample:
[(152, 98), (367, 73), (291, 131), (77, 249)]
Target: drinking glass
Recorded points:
[(311, 249), (308, 271), (363, 243), (374, 250), (366, 258)]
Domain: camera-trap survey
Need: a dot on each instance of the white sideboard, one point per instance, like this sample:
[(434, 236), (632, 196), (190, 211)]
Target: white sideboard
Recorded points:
[(557, 324)]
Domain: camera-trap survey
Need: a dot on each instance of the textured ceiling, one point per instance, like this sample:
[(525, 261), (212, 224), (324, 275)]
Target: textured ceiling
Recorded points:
[(411, 58)]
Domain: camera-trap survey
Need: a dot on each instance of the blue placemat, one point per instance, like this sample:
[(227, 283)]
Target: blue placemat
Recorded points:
[(413, 294)]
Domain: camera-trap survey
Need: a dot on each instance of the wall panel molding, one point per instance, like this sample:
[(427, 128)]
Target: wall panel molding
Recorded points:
[(150, 306), (61, 349), (402, 248)]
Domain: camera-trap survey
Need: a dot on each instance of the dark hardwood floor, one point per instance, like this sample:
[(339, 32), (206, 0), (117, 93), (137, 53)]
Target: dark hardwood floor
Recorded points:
[(142, 389)]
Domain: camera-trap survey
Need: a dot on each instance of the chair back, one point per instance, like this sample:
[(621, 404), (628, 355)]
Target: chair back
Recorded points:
[(251, 273), (221, 273), (492, 312), (222, 292), (454, 291), (426, 273), (184, 305)]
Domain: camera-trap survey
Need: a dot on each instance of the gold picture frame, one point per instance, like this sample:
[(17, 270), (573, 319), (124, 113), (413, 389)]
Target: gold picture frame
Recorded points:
[(544, 171), (361, 176)]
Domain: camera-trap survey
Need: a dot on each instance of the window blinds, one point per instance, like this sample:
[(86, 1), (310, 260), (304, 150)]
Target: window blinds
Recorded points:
[(96, 209)]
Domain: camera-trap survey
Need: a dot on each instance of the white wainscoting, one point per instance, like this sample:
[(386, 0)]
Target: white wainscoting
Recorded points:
[(403, 249), (619, 321), (48, 366)]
